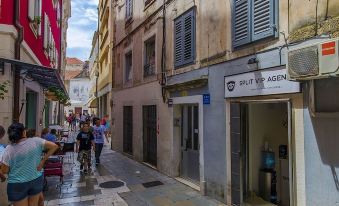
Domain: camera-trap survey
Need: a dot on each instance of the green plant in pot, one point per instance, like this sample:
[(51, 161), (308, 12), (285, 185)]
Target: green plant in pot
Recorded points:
[(3, 89), (60, 95), (37, 19)]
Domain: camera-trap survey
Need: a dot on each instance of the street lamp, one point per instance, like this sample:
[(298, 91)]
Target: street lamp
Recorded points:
[(96, 89)]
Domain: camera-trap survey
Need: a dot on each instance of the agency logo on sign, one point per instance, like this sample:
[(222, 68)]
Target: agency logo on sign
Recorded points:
[(231, 86)]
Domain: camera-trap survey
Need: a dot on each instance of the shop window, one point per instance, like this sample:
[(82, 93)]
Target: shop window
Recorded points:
[(149, 65), (128, 67), (254, 20)]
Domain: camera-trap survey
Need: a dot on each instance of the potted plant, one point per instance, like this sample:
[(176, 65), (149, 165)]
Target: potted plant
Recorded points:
[(37, 20), (3, 89)]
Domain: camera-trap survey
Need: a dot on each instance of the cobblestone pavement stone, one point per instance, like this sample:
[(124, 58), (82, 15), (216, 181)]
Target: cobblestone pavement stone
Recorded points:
[(80, 189)]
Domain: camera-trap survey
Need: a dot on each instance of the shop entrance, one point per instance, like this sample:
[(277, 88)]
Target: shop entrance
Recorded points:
[(261, 164), (190, 142)]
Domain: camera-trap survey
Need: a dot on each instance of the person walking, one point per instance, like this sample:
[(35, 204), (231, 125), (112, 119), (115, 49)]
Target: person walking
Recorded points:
[(99, 132), (82, 119), (85, 141), (70, 120), (22, 162)]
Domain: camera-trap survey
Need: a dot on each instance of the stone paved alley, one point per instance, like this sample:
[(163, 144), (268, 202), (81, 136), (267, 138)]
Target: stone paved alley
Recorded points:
[(83, 190)]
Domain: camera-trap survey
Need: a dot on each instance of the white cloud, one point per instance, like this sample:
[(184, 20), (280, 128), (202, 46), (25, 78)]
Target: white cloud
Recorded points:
[(93, 2), (78, 38), (82, 25)]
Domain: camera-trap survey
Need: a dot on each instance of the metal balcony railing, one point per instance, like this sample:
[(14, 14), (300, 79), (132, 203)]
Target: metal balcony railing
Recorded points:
[(149, 70)]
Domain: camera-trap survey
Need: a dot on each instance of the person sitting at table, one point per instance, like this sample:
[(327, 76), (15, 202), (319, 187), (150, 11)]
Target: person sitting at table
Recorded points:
[(51, 136), (22, 162)]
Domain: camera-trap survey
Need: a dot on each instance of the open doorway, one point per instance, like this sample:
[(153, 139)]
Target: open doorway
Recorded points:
[(261, 159)]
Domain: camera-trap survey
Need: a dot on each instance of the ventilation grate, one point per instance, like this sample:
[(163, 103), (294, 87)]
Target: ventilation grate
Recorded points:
[(152, 184), (111, 184), (303, 62)]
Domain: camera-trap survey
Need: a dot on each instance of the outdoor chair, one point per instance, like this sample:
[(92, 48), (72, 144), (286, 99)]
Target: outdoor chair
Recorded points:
[(69, 148)]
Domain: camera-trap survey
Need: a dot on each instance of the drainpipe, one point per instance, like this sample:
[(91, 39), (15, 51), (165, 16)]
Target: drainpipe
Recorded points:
[(163, 53), (16, 78)]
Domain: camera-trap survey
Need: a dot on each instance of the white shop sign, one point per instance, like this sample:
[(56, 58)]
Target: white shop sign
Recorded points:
[(265, 82)]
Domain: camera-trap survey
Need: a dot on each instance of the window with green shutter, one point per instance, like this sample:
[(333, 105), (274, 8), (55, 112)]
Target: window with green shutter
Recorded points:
[(184, 39), (254, 20)]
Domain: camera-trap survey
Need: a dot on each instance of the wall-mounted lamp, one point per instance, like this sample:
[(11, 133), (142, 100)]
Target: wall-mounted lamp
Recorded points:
[(23, 102), (2, 68), (252, 63), (253, 60)]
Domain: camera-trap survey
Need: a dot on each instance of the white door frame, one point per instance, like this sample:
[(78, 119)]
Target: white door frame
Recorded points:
[(296, 145), (196, 99)]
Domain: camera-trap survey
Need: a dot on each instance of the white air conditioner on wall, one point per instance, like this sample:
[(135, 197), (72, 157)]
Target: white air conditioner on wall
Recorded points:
[(314, 61)]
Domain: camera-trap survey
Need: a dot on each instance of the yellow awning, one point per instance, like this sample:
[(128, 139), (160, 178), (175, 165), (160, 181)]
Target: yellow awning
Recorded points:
[(92, 102)]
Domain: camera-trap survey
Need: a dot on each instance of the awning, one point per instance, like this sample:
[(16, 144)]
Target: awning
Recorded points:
[(196, 83), (92, 102), (45, 76)]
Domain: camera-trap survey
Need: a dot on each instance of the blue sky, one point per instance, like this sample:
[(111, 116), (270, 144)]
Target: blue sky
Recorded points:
[(81, 28)]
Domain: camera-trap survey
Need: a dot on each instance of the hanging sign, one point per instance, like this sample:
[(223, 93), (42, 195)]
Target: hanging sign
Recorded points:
[(265, 82)]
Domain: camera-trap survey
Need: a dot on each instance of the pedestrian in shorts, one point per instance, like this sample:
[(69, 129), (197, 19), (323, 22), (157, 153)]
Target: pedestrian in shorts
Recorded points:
[(85, 141)]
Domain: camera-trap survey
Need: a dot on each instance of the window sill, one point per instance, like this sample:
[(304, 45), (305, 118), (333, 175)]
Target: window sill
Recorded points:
[(148, 3), (35, 29), (263, 41), (128, 22), (184, 65)]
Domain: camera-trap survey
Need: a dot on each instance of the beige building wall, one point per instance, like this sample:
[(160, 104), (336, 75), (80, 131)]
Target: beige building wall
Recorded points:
[(213, 46), (105, 38), (66, 14)]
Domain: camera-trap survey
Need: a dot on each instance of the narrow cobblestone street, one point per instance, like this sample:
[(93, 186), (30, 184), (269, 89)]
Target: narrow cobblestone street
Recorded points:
[(80, 189)]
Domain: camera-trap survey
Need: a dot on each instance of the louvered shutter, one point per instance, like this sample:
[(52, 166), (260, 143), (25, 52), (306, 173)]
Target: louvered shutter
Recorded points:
[(178, 42), (263, 19), (184, 39), (46, 30), (189, 37), (31, 9), (40, 15), (241, 22)]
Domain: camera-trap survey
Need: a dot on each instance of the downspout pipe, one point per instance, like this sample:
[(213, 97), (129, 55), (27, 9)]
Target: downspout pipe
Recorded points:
[(163, 54), (17, 54)]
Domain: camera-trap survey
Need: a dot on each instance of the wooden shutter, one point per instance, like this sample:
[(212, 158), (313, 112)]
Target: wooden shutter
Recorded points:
[(178, 42), (189, 37), (40, 15), (184, 39), (31, 9), (263, 19), (241, 22), (46, 30)]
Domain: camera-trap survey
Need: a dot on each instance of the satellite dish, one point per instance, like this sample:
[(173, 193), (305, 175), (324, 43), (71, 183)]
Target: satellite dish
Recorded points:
[(2, 132)]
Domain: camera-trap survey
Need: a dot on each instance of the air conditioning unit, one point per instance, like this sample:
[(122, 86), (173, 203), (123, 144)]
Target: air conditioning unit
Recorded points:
[(314, 61)]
